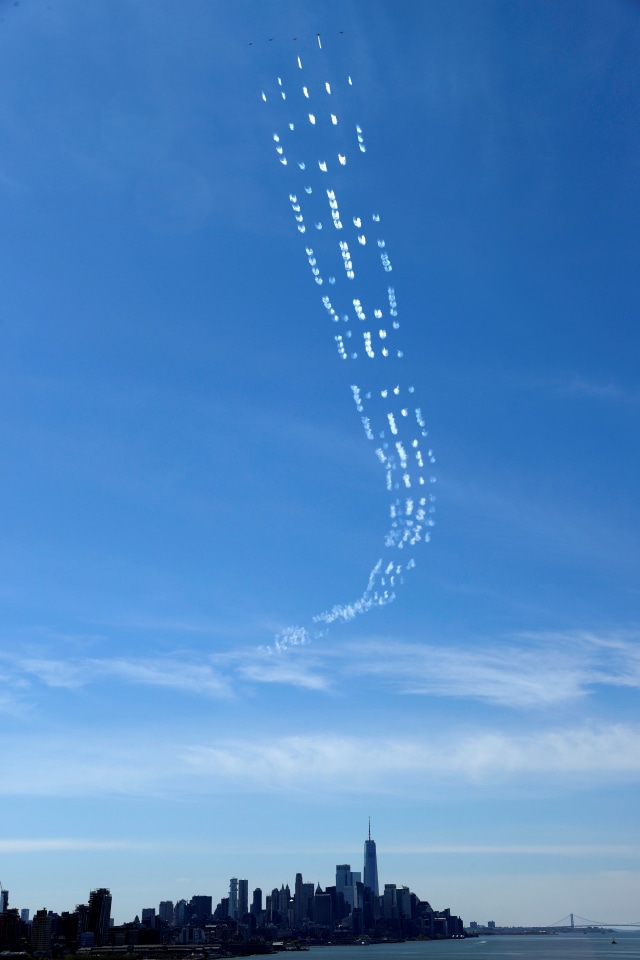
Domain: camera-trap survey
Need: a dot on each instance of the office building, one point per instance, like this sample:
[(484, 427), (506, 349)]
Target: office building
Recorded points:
[(41, 932), (371, 865), (165, 911), (322, 909), (390, 906), (200, 907), (403, 902), (284, 896), (82, 913), (347, 881), (9, 930), (256, 903), (298, 901), (67, 929), (99, 915), (233, 898), (222, 910), (243, 898), (180, 913)]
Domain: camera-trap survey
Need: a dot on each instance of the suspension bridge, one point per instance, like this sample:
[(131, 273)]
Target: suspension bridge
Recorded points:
[(570, 921)]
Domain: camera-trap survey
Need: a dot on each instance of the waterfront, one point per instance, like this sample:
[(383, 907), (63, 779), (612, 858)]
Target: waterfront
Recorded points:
[(575, 946)]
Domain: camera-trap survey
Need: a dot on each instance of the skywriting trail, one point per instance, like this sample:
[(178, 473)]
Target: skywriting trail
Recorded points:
[(322, 147)]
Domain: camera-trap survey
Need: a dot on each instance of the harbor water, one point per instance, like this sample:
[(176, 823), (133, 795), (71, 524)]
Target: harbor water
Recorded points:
[(575, 946)]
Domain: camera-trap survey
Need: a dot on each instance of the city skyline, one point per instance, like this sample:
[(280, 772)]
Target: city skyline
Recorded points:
[(225, 642), (348, 908), (238, 890), (236, 904)]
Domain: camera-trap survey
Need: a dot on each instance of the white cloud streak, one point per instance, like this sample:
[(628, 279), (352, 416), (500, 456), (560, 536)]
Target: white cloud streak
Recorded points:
[(544, 673), (13, 706), (38, 845), (305, 764), (169, 673), (385, 766), (537, 671), (59, 845), (286, 671)]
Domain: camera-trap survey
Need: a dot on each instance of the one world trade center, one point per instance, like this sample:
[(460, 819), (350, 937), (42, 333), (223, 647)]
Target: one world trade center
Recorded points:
[(371, 864)]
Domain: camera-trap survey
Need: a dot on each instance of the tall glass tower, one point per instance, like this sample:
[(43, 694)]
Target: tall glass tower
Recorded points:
[(99, 915), (371, 864)]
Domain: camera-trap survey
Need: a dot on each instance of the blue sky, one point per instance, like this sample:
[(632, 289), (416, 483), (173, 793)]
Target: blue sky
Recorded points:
[(185, 475)]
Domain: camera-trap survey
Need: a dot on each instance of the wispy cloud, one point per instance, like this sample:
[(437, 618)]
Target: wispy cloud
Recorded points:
[(575, 385), (553, 668), (520, 849), (287, 670), (304, 764), (36, 845), (611, 392), (14, 705), (68, 674), (562, 752), (611, 659), (13, 700), (163, 672), (194, 678), (59, 844), (525, 672), (504, 676)]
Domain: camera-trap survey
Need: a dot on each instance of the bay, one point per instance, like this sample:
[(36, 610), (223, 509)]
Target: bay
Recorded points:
[(576, 946)]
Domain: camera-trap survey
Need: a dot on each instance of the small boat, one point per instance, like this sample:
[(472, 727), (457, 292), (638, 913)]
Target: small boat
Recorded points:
[(614, 940)]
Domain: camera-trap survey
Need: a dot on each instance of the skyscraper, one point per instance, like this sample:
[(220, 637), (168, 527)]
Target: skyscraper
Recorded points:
[(284, 895), (298, 901), (243, 898), (390, 905), (371, 864), (347, 882), (41, 932), (233, 898), (256, 904), (165, 911), (200, 906), (99, 915), (180, 913)]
